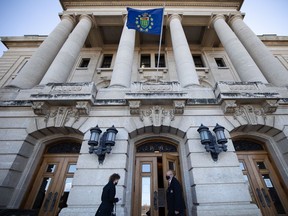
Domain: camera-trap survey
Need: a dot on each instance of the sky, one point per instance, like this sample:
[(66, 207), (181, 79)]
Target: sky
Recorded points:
[(40, 17)]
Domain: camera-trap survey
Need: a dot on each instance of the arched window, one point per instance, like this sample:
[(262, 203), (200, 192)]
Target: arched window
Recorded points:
[(156, 147), (247, 145)]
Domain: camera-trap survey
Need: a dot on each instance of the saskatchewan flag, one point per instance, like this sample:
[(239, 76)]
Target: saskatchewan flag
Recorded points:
[(147, 21)]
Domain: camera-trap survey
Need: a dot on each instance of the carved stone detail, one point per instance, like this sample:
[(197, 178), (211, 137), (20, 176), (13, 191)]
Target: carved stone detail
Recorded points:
[(156, 87), (249, 113), (40, 108), (62, 115), (156, 115), (134, 107), (83, 107), (179, 106), (270, 106), (229, 106)]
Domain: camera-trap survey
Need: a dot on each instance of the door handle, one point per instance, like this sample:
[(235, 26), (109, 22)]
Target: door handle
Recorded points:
[(155, 200), (260, 197), (267, 198), (47, 201), (53, 202)]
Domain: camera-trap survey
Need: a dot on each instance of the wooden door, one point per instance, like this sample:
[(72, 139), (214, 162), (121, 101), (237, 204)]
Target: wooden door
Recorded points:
[(52, 184), (171, 162), (264, 184), (145, 196)]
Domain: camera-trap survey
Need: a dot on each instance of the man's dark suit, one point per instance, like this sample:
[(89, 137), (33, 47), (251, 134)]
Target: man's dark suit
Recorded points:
[(174, 196)]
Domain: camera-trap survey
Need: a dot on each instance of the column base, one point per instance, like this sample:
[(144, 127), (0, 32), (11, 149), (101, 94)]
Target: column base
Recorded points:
[(225, 210)]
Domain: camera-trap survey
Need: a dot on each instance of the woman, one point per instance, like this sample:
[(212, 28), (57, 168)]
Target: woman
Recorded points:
[(108, 197)]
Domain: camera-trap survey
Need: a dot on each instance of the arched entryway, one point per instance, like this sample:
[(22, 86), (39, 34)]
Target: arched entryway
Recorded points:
[(152, 160), (52, 181), (265, 185)]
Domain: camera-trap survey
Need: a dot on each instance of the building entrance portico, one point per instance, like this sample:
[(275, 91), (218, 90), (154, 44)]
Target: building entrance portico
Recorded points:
[(151, 164)]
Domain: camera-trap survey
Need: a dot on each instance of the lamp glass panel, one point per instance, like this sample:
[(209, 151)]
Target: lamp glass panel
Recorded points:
[(110, 136), (204, 135)]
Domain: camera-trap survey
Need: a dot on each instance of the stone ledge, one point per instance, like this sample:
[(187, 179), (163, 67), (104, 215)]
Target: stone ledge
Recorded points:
[(62, 93)]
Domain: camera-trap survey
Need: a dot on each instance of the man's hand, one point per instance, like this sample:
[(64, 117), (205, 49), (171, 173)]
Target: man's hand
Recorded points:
[(176, 212)]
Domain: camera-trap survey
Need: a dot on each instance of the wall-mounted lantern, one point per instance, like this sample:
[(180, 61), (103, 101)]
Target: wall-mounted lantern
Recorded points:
[(209, 140), (106, 142)]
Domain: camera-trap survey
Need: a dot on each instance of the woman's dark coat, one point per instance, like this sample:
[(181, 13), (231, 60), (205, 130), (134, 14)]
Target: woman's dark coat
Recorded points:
[(108, 199)]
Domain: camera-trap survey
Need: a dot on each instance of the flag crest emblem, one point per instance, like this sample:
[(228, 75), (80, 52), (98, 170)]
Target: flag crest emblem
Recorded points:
[(146, 21)]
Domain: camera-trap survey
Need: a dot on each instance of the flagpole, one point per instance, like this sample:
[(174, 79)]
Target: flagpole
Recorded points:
[(161, 34)]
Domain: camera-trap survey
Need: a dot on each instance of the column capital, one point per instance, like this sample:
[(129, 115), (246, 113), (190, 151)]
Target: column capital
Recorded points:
[(216, 17), (234, 17), (69, 17), (88, 17), (174, 16)]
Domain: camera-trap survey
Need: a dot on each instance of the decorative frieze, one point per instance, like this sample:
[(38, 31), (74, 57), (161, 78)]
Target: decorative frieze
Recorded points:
[(250, 113), (83, 107), (156, 115), (62, 115)]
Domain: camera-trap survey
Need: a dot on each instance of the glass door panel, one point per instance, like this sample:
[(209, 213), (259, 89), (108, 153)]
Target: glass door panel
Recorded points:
[(54, 178), (267, 192), (146, 192), (145, 195)]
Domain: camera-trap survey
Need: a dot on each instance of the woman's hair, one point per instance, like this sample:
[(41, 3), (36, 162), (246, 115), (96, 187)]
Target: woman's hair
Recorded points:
[(114, 177)]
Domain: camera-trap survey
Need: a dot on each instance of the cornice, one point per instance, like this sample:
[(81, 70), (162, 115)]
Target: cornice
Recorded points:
[(169, 3)]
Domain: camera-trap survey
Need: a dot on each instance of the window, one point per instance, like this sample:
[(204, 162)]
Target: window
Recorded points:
[(107, 61), (220, 62), (161, 60), (84, 62), (145, 61), (198, 61)]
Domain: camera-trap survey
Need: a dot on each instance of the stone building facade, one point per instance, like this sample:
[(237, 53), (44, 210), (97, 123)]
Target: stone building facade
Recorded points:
[(91, 70)]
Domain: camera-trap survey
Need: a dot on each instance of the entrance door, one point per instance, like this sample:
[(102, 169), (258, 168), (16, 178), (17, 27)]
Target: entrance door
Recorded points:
[(53, 181), (264, 184), (150, 183)]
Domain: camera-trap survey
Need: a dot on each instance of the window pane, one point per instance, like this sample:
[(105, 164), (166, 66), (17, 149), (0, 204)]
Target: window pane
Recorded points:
[(84, 62), (107, 60), (64, 197), (145, 195), (261, 165), (198, 61), (145, 61), (273, 194), (171, 165), (161, 60), (41, 193), (51, 168), (72, 168), (242, 166), (220, 62), (146, 168)]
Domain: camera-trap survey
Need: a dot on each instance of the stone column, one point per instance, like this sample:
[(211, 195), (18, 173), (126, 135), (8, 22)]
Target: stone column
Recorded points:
[(185, 66), (121, 75), (268, 64), (38, 64), (241, 60), (61, 67)]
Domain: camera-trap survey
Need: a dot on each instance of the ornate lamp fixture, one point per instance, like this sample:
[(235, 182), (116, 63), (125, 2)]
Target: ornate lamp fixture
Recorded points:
[(106, 142), (209, 140)]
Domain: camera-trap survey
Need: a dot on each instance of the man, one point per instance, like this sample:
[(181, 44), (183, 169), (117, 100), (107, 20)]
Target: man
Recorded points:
[(174, 196)]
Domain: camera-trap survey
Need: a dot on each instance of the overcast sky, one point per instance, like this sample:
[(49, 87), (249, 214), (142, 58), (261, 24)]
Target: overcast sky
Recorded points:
[(39, 17)]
